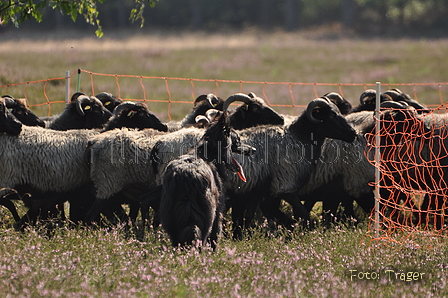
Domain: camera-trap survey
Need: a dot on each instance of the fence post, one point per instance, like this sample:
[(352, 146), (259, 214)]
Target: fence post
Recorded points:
[(67, 87), (78, 84), (377, 160)]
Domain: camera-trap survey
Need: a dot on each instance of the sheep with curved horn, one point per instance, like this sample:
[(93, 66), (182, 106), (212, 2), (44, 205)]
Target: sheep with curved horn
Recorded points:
[(83, 112), (19, 109), (134, 115), (193, 193), (253, 112), (286, 158), (109, 100)]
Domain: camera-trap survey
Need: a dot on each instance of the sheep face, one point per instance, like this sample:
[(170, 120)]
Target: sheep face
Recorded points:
[(218, 143), (329, 122), (91, 111), (344, 105), (201, 105), (19, 109), (8, 123), (134, 115), (109, 100), (256, 112)]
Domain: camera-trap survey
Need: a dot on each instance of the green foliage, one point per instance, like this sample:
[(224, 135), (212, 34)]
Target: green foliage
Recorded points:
[(137, 12), (17, 11)]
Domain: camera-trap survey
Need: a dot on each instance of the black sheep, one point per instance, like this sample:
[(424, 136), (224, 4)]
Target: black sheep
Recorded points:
[(193, 194), (83, 112), (18, 108), (134, 115), (109, 100)]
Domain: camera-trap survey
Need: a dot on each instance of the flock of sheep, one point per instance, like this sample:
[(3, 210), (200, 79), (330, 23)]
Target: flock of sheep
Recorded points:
[(102, 152)]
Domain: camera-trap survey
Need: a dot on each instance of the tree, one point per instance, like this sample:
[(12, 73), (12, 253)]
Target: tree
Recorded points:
[(17, 11)]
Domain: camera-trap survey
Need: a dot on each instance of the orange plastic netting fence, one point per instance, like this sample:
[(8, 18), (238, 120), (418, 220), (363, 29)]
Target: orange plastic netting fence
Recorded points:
[(413, 184), (164, 93)]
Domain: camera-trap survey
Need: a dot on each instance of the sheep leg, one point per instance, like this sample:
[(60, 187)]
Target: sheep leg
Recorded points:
[(299, 211), (151, 199), (238, 208), (241, 203), (366, 202), (93, 215), (216, 230), (329, 209), (270, 206), (309, 204)]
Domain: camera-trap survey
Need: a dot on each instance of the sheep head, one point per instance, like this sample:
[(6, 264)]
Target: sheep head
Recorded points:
[(19, 109), (344, 105), (200, 106), (253, 112), (134, 115), (219, 142), (328, 121), (91, 110), (109, 100), (8, 123)]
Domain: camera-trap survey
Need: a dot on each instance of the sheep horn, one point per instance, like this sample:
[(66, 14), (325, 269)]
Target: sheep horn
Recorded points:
[(252, 95), (76, 95), (318, 102), (122, 106), (393, 94), (368, 92), (202, 118), (82, 98), (236, 97), (392, 105), (2, 107), (334, 97), (105, 95), (212, 99), (211, 114), (10, 102), (201, 98)]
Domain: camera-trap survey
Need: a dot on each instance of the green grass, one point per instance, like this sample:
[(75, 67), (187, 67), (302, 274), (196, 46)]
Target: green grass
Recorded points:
[(249, 56), (76, 262), (107, 263)]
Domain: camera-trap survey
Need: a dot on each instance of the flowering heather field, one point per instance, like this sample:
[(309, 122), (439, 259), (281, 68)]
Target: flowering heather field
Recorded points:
[(336, 263)]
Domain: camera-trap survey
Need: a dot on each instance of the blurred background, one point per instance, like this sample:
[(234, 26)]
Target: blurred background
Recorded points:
[(286, 51), (427, 18)]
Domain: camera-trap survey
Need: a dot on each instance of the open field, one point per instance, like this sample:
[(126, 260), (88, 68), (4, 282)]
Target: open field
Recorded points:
[(249, 56), (76, 262)]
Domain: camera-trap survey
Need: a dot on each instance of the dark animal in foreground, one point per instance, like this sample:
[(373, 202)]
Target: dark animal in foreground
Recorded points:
[(193, 194)]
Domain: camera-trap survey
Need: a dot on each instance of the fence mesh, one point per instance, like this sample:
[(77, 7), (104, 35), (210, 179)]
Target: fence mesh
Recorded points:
[(413, 173), (413, 147)]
